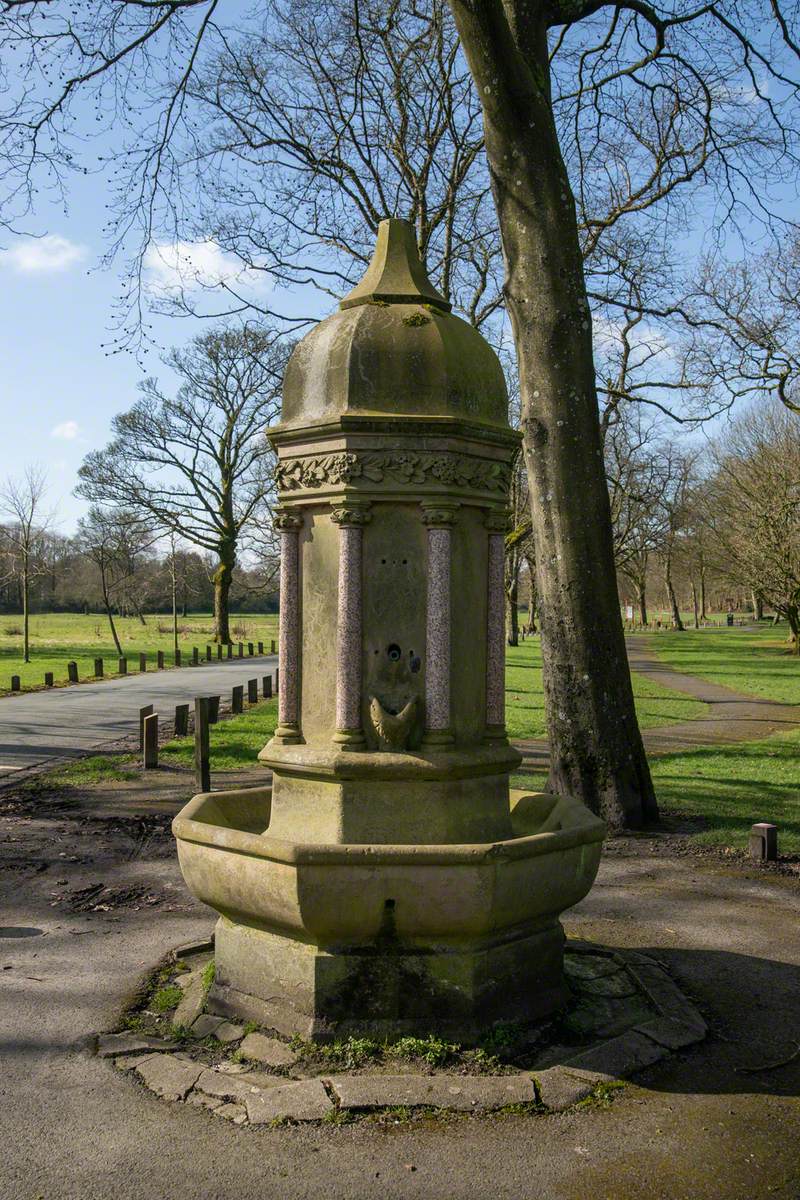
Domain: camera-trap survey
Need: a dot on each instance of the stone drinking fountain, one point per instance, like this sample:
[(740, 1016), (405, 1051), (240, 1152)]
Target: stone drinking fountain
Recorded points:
[(390, 882)]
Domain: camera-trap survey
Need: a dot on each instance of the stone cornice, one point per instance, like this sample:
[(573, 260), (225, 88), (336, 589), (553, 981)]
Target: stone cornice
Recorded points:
[(406, 468)]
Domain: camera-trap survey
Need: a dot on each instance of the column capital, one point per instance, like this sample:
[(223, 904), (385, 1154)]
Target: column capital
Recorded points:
[(351, 512), (438, 513), (497, 520), (287, 518)]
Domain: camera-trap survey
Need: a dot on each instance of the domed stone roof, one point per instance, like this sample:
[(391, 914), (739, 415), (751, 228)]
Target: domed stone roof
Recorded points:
[(394, 348)]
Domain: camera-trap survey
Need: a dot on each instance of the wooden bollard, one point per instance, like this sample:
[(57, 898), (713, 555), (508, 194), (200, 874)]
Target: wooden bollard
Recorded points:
[(277, 679), (252, 691), (213, 709), (144, 713), (122, 666), (219, 650), (151, 741), (160, 659), (266, 686), (230, 649), (260, 647), (98, 668), (195, 656), (237, 699), (177, 658), (249, 649), (181, 720), (241, 650), (72, 672), (272, 646), (15, 683), (142, 662), (48, 679), (763, 842), (208, 654), (202, 766)]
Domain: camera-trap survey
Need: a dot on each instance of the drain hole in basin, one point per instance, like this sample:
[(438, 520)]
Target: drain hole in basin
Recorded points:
[(23, 931)]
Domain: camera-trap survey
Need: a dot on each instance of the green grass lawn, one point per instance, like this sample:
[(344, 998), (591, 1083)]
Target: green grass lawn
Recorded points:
[(758, 662), (655, 704), (56, 638), (233, 744)]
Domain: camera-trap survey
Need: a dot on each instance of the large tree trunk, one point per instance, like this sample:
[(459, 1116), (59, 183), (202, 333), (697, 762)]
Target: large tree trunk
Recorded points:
[(793, 617), (222, 586), (109, 613), (641, 598), (672, 599), (758, 607), (512, 611), (596, 751), (695, 606), (531, 595)]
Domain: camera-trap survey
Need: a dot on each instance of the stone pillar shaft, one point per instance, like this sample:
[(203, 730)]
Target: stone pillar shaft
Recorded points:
[(439, 519), (495, 629), (350, 518), (289, 522)]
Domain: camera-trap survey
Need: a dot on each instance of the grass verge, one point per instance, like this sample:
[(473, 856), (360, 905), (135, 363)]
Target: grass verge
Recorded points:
[(758, 662), (234, 744)]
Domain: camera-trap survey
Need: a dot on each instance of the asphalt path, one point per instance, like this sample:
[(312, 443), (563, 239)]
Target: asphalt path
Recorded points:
[(38, 727)]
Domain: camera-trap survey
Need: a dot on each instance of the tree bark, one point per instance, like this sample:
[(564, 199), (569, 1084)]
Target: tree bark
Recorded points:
[(695, 606), (531, 595), (674, 607), (596, 750), (109, 613), (793, 617), (512, 611), (758, 607), (26, 606), (703, 612), (641, 597), (222, 586)]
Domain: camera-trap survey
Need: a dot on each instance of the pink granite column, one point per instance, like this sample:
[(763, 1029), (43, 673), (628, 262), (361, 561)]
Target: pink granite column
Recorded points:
[(439, 518), (497, 524), (289, 522), (351, 517)]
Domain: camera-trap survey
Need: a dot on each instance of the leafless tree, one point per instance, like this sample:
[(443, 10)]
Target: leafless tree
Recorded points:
[(24, 533), (113, 541), (197, 462)]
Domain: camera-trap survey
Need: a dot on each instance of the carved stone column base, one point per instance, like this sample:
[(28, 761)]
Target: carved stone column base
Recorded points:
[(288, 735), (496, 734), (435, 739), (350, 739)]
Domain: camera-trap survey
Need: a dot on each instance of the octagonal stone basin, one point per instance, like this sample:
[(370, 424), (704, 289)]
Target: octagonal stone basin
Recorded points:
[(337, 895)]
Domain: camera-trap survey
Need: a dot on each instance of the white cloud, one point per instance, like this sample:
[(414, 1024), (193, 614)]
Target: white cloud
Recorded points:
[(67, 431), (183, 266), (32, 256)]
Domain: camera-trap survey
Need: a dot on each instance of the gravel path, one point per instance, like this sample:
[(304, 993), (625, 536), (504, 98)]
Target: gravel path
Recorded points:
[(37, 727), (734, 717)]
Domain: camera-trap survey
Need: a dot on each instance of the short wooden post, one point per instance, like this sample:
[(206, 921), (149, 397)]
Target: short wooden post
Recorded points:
[(260, 647), (202, 766), (177, 658), (237, 699), (195, 656), (122, 666), (252, 691), (219, 650), (208, 654), (72, 672), (144, 713), (181, 720), (230, 649), (98, 668), (15, 683), (241, 649), (763, 842), (266, 686), (151, 741), (48, 679), (249, 649), (160, 659), (213, 709), (142, 662), (277, 679), (272, 646)]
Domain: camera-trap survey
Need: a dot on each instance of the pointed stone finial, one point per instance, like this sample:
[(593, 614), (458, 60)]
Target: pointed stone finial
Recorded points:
[(396, 274)]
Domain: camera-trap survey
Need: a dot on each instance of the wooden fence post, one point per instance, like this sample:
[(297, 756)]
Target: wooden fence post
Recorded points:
[(177, 658), (202, 767), (122, 666), (15, 683), (260, 648), (72, 672), (213, 709), (48, 679), (160, 659), (142, 662), (230, 649), (195, 656), (219, 650), (266, 686), (237, 699), (98, 668), (151, 741), (272, 646), (208, 654), (249, 649), (181, 720), (252, 691), (241, 649), (144, 713)]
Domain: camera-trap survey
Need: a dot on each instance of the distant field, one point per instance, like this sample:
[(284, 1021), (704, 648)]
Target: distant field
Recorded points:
[(56, 638), (756, 661), (655, 704)]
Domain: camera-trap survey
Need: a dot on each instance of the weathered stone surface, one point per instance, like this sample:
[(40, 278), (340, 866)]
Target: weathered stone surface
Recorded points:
[(604, 1016), (236, 1087), (619, 984), (463, 1092), (191, 1004), (233, 1068), (590, 966), (267, 1050), (201, 1100), (227, 1032), (559, 1088), (667, 996), (236, 1113), (617, 1058), (672, 1034), (130, 1062), (304, 1101), (109, 1045), (206, 1025), (168, 1076)]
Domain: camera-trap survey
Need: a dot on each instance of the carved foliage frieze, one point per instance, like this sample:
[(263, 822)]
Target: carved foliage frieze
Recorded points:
[(407, 468)]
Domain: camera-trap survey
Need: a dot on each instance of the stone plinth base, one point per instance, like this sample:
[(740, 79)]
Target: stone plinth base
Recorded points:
[(386, 990)]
